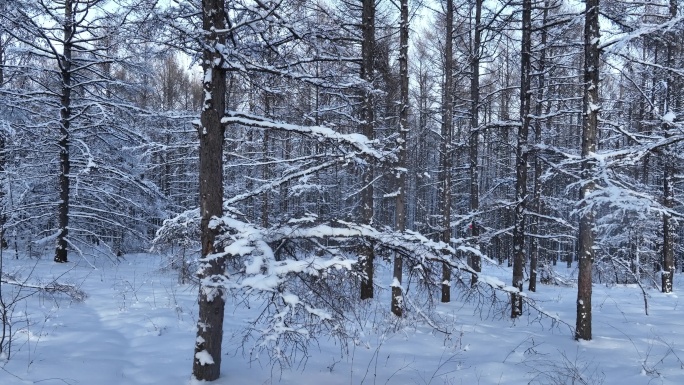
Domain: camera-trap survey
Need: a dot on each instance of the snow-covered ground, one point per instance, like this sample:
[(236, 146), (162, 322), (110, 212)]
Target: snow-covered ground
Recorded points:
[(137, 326)]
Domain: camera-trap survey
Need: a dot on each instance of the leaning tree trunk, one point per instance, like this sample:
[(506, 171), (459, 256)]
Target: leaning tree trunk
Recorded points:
[(589, 135), (445, 147), (207, 359), (63, 143), (366, 258), (521, 160), (400, 213)]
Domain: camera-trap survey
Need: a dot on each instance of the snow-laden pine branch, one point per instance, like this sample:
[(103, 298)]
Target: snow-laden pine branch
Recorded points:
[(300, 272), (345, 142)]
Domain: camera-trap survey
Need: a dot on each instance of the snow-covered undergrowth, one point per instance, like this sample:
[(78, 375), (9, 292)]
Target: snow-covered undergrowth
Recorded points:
[(137, 326)]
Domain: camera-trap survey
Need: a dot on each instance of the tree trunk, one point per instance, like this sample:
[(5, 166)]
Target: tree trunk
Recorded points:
[(476, 262), (589, 135), (669, 166), (521, 160), (265, 172), (400, 213), (366, 257), (2, 61), (536, 198), (207, 359), (3, 154), (445, 147), (285, 188), (63, 143)]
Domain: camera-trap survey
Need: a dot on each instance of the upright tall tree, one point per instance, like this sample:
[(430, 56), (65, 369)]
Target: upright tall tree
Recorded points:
[(367, 257), (402, 142), (521, 155), (590, 110), (536, 194), (207, 359), (64, 131), (669, 165), (2, 55), (446, 146), (67, 80), (474, 134)]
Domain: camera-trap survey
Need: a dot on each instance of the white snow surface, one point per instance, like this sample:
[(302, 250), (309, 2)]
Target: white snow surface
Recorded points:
[(204, 357), (138, 324), (669, 117)]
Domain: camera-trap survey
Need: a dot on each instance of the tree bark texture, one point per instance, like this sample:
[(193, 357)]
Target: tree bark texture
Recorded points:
[(366, 257), (668, 228), (400, 213), (521, 155), (476, 262), (445, 147), (265, 174), (536, 197), (589, 137), (63, 143), (207, 359), (669, 165), (2, 61)]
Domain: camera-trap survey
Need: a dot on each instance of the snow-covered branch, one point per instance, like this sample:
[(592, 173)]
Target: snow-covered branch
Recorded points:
[(346, 142), (52, 287)]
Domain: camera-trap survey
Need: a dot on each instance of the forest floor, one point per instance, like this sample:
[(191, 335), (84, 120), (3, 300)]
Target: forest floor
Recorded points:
[(137, 326)]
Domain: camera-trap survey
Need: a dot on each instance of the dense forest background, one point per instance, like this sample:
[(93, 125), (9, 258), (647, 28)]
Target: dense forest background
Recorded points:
[(429, 137)]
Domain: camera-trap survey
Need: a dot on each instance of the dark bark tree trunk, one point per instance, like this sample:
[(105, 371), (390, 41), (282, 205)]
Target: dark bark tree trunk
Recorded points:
[(63, 143), (266, 171), (3, 155), (207, 359), (2, 61), (366, 257), (669, 166), (400, 213), (668, 231), (536, 198), (521, 155), (644, 114), (445, 147), (476, 262), (285, 188), (265, 175), (589, 135)]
